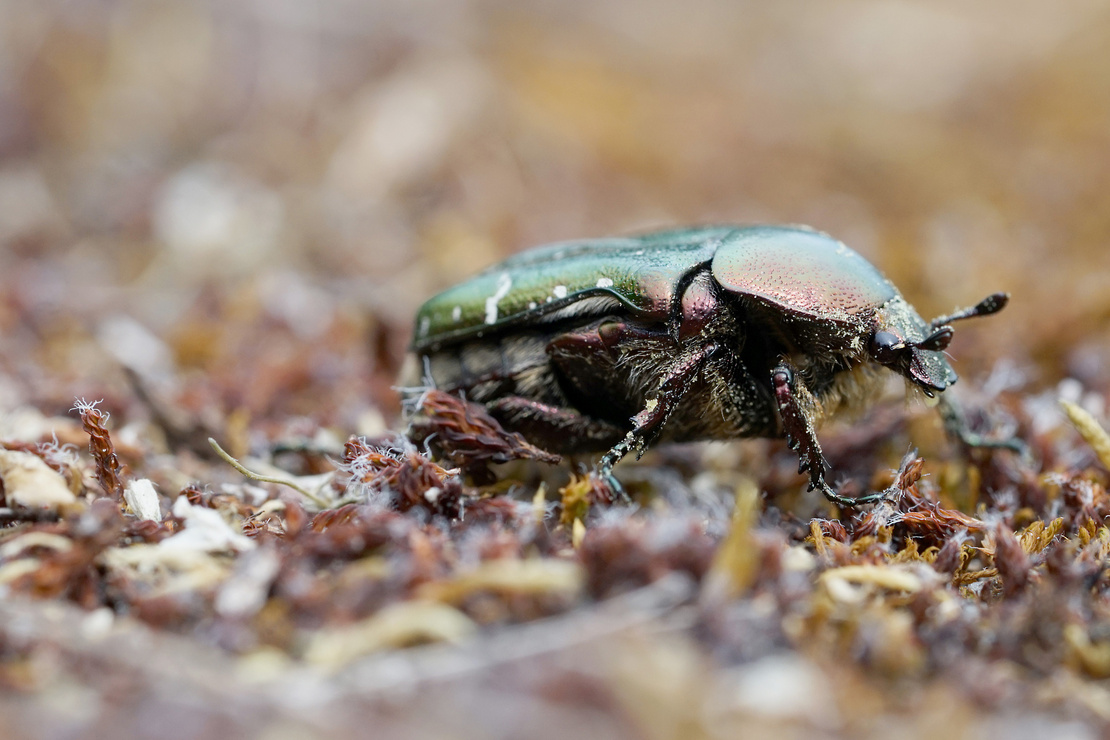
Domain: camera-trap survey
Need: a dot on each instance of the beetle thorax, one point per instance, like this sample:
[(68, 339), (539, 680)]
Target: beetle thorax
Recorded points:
[(851, 390)]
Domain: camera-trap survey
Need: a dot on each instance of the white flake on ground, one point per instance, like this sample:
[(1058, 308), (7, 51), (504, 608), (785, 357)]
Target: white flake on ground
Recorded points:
[(205, 530), (16, 546), (30, 482), (245, 592), (142, 498), (781, 687)]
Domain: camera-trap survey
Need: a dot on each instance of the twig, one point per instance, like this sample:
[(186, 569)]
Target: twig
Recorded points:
[(265, 478)]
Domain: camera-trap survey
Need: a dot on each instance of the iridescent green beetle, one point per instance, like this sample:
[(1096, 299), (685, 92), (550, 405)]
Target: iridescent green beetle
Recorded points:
[(703, 333)]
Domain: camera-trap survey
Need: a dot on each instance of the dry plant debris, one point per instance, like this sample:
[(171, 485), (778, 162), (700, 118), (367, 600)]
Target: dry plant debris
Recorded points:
[(410, 552)]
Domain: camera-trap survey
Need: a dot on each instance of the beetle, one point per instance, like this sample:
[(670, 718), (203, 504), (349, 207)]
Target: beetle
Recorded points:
[(699, 333)]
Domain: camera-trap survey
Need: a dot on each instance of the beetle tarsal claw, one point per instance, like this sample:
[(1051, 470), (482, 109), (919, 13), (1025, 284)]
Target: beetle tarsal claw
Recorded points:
[(607, 479), (850, 503)]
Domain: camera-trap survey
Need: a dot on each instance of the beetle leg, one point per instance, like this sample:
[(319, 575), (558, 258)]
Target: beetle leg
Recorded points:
[(956, 426), (647, 424), (549, 425), (797, 425), (801, 436)]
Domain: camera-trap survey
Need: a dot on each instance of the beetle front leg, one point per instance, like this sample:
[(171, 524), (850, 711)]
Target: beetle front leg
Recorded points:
[(956, 426), (801, 436)]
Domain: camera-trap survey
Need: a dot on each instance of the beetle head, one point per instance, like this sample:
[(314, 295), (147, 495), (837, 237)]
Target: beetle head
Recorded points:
[(903, 342)]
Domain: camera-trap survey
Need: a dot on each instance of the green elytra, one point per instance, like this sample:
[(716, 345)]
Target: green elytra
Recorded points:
[(793, 268)]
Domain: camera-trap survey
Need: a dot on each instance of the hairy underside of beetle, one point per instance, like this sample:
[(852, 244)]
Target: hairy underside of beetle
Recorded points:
[(575, 388)]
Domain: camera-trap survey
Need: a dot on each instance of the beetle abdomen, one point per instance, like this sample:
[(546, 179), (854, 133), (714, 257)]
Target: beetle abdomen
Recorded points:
[(516, 364)]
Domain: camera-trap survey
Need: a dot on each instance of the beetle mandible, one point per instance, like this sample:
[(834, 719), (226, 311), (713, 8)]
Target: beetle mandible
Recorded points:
[(681, 335)]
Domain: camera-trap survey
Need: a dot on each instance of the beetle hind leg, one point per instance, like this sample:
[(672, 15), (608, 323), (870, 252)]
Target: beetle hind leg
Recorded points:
[(560, 430), (555, 429), (802, 438)]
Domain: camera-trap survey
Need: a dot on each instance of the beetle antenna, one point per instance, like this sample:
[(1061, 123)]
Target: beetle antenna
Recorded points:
[(991, 304), (935, 342)]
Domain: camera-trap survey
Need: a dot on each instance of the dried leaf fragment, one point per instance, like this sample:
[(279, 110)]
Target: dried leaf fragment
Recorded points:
[(934, 521), (530, 576), (31, 483), (18, 545), (888, 577), (166, 569), (580, 493), (396, 626), (244, 592), (465, 434), (205, 531)]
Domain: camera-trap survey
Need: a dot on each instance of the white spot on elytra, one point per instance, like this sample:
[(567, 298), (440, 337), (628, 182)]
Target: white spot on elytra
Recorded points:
[(456, 313), (504, 285), (531, 304), (560, 291), (604, 283), (425, 324)]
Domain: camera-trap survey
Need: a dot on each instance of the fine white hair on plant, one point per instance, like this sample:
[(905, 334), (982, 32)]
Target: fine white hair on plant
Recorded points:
[(412, 397), (82, 406)]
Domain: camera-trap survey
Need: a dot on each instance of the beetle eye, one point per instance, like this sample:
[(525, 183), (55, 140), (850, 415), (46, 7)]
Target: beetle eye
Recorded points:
[(885, 346)]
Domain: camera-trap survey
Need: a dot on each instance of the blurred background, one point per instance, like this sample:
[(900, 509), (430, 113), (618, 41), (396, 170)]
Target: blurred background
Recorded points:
[(244, 201)]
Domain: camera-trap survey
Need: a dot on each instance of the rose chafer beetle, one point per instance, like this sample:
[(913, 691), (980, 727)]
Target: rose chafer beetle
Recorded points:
[(702, 333)]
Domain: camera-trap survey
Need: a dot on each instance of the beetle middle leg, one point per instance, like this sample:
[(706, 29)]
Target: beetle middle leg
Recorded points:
[(797, 423), (646, 425)]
